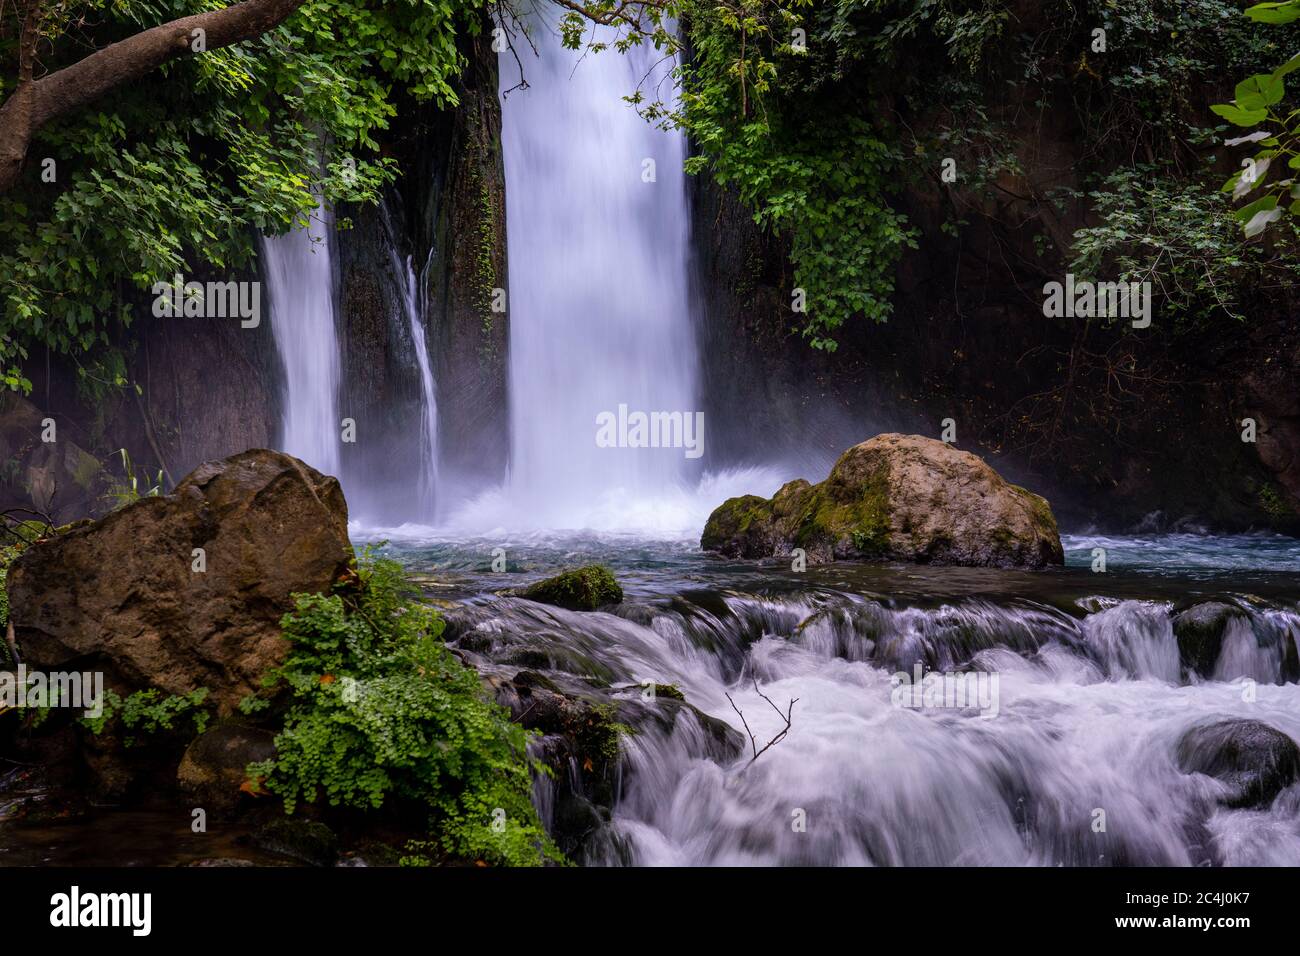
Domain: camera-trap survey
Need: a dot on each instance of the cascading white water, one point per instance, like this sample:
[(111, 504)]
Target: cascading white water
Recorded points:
[(299, 276), (413, 304), (1089, 716), (599, 314)]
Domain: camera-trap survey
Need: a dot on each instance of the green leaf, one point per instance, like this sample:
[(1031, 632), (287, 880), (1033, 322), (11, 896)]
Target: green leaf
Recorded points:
[(1238, 116), (1284, 11), (1290, 66), (1259, 91)]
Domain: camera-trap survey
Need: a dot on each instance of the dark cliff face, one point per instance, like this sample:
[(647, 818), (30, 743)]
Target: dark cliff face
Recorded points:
[(1120, 428), (447, 215), (468, 337), (198, 389)]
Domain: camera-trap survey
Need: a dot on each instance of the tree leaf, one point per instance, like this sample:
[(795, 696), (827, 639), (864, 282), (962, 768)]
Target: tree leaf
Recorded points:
[(1238, 116), (1258, 91), (1284, 11)]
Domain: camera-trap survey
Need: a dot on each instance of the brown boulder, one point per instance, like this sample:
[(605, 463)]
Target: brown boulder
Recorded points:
[(212, 769), (122, 594), (895, 498)]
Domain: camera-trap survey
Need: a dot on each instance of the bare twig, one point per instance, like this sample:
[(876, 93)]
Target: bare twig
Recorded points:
[(786, 716)]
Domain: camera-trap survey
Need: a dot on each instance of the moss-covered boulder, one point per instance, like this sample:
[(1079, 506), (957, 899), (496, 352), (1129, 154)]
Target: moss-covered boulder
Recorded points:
[(898, 498), (582, 589)]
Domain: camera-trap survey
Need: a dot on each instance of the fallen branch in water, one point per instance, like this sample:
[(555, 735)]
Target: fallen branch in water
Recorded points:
[(753, 743)]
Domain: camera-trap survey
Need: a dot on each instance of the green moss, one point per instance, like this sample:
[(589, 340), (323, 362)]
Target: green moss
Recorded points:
[(671, 691), (734, 518), (583, 589), (1272, 504), (863, 521), (1041, 511), (597, 733), (87, 469)]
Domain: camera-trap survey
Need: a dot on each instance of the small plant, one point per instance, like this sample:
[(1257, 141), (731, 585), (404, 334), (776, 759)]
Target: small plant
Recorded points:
[(382, 710), (133, 486), (149, 712)]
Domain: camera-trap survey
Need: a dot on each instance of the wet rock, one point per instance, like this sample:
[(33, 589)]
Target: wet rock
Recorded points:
[(58, 478), (899, 498), (123, 591), (1200, 631), (303, 840), (221, 862), (212, 768), (1255, 760), (583, 589)]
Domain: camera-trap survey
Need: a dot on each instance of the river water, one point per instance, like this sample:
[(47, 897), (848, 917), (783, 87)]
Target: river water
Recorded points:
[(1091, 698)]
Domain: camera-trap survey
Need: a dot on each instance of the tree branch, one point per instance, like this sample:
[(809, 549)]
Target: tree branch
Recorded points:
[(35, 103), (786, 716)]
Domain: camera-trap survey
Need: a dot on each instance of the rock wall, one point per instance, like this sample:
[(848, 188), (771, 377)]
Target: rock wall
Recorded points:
[(1119, 428), (447, 213)]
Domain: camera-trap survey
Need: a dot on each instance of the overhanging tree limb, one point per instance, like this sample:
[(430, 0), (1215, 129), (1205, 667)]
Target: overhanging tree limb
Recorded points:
[(36, 102)]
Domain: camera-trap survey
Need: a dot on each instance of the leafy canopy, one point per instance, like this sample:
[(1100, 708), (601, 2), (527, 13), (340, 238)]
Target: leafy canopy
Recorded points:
[(180, 172)]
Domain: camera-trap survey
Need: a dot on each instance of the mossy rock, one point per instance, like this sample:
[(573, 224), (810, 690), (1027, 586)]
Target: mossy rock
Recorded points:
[(582, 589), (897, 498), (306, 841)]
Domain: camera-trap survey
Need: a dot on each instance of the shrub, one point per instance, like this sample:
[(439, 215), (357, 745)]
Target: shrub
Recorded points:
[(381, 709)]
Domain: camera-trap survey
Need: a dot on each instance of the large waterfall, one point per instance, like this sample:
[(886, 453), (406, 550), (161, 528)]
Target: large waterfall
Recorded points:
[(300, 281), (599, 314)]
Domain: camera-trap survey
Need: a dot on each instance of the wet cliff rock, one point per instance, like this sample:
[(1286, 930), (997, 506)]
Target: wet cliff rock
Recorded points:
[(895, 497)]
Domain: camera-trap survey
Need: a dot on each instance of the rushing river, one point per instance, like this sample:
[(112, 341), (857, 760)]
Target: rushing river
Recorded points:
[(1091, 699)]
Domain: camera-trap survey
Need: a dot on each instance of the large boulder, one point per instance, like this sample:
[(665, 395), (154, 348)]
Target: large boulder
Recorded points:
[(1255, 760), (900, 498), (125, 594), (1200, 630)]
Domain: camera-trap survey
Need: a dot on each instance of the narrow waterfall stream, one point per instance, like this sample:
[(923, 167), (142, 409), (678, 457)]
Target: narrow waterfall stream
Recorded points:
[(429, 471), (299, 275), (413, 304)]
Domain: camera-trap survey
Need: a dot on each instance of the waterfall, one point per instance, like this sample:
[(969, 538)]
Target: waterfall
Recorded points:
[(299, 276), (413, 305), (597, 232)]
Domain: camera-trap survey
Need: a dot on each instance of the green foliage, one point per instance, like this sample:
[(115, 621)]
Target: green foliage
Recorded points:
[(381, 710), (1257, 105), (1180, 237), (178, 174), (7, 555), (150, 712), (131, 487), (766, 123), (252, 704)]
